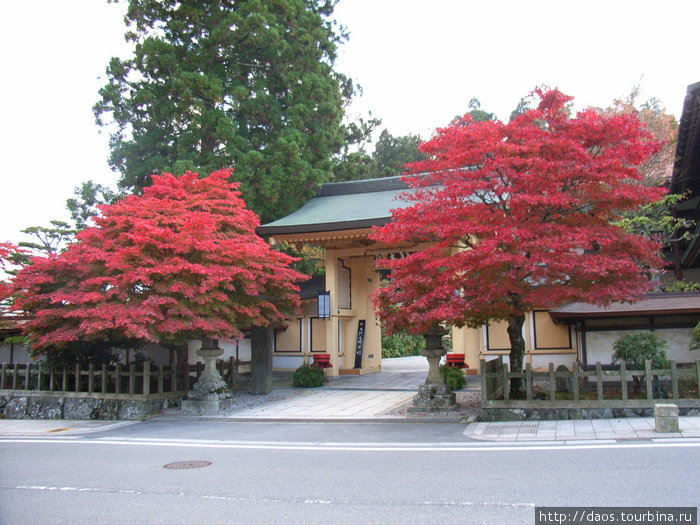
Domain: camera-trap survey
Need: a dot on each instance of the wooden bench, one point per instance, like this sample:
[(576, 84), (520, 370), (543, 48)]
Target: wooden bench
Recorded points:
[(322, 360), (456, 360)]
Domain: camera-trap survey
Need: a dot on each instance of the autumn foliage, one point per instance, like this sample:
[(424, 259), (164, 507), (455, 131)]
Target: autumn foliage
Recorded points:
[(519, 216), (180, 261)]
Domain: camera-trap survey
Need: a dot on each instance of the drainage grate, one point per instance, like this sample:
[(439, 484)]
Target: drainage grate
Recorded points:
[(529, 429), (492, 430), (177, 465), (510, 429)]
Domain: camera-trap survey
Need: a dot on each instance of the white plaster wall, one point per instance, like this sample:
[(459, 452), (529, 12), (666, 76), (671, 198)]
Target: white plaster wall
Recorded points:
[(19, 354), (157, 354), (287, 362), (541, 361), (490, 357), (228, 348), (599, 345)]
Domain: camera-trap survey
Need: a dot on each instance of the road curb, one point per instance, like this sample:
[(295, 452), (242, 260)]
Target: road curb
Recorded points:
[(245, 419)]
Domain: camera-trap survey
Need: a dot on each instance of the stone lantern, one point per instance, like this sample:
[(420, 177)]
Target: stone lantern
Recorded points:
[(210, 393), (434, 395)]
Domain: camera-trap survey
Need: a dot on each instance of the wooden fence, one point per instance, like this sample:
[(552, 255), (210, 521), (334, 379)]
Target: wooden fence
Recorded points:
[(603, 385), (134, 381), (492, 378)]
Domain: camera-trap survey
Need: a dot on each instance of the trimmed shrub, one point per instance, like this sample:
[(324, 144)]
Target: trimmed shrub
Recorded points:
[(308, 376), (402, 344), (453, 376), (635, 349), (695, 338)]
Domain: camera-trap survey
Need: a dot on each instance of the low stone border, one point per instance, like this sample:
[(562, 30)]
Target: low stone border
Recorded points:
[(553, 414), (51, 406)]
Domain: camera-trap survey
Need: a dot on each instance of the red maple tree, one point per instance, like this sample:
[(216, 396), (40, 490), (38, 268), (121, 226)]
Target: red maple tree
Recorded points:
[(519, 216), (181, 261)]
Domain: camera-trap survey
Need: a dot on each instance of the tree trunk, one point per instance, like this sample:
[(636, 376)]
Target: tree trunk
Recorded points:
[(517, 352), (261, 360)]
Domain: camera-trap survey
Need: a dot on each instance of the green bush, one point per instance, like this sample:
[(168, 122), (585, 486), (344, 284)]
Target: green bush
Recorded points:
[(308, 376), (635, 349), (695, 338), (682, 286), (453, 376), (402, 344)]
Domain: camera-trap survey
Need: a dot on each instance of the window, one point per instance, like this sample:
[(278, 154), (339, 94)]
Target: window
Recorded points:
[(344, 286), (289, 340), (548, 335), (497, 336)]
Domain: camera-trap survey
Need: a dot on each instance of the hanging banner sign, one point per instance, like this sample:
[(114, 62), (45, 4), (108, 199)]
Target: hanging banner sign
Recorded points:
[(360, 343)]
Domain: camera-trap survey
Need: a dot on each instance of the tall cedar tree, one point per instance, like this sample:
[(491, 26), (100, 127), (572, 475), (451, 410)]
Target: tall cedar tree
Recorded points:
[(223, 83), (519, 217), (7, 252), (182, 261)]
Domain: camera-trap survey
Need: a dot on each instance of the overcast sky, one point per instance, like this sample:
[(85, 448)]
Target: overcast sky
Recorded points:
[(418, 63)]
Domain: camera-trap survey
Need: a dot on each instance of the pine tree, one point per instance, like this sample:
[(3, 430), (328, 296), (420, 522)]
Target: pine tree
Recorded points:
[(222, 83)]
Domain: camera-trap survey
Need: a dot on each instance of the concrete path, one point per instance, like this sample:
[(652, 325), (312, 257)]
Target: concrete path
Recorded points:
[(365, 397), (576, 430), (327, 404), (56, 427)]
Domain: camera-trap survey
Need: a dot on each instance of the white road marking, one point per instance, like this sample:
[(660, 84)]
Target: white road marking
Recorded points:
[(356, 447), (304, 501)]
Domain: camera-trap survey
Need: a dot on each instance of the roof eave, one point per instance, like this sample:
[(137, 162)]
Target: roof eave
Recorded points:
[(267, 231), (572, 316)]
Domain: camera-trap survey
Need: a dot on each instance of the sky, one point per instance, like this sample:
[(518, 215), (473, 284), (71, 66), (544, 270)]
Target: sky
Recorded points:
[(418, 63)]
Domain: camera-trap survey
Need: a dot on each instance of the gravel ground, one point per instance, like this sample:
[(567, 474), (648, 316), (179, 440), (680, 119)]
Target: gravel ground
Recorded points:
[(244, 401), (468, 405)]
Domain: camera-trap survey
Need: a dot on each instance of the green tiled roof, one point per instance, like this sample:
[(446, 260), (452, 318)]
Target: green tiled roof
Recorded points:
[(344, 206)]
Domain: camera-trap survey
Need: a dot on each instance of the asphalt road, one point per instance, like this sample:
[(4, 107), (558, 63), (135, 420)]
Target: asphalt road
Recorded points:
[(271, 473)]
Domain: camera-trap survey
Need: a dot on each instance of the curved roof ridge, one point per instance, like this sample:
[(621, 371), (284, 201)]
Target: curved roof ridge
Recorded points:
[(362, 186)]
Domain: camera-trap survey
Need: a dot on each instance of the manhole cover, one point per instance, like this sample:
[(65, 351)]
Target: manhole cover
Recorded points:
[(187, 464)]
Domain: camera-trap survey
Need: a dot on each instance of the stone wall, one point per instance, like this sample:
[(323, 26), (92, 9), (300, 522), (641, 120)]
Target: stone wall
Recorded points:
[(52, 406)]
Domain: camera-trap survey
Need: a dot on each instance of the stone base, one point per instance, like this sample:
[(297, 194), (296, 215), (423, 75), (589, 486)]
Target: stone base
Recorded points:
[(209, 390), (433, 398), (666, 418), (205, 406)]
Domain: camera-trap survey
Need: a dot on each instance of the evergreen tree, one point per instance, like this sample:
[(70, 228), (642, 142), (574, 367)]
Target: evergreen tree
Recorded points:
[(392, 153), (222, 83)]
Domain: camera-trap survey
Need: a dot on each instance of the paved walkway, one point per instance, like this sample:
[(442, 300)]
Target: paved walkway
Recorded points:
[(575, 430), (55, 427), (327, 404)]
